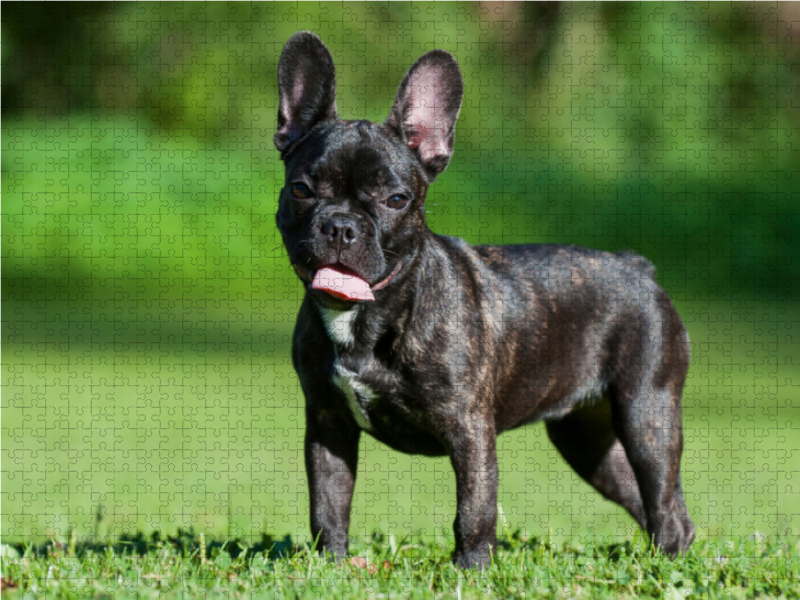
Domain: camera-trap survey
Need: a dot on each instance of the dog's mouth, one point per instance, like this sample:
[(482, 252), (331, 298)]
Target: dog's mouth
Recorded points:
[(342, 283)]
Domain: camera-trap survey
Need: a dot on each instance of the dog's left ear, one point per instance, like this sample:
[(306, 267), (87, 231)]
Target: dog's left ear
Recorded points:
[(426, 109), (307, 87)]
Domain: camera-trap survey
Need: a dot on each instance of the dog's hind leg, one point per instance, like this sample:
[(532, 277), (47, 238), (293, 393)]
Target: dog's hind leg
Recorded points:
[(651, 362), (647, 422), (587, 441)]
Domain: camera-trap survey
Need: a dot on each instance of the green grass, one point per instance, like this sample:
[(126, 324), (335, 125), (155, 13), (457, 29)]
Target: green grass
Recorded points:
[(390, 568), (185, 420)]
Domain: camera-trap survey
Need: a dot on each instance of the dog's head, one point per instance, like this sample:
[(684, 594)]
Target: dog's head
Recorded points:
[(352, 211)]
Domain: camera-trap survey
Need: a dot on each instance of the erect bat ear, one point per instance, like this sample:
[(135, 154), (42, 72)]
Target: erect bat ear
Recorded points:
[(307, 87), (426, 109)]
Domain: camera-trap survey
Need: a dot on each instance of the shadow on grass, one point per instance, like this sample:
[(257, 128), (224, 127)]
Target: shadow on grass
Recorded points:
[(186, 543), (193, 545)]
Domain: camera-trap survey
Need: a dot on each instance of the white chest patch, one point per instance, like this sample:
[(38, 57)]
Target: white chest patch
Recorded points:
[(358, 394), (339, 324)]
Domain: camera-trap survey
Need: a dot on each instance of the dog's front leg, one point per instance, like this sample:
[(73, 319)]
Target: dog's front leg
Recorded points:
[(331, 450), (474, 458)]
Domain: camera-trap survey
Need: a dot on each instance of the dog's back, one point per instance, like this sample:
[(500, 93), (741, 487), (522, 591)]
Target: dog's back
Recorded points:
[(603, 314)]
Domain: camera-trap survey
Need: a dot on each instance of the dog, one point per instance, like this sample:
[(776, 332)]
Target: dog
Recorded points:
[(435, 347)]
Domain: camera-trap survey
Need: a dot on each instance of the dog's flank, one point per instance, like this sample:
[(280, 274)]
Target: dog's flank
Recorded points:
[(446, 345)]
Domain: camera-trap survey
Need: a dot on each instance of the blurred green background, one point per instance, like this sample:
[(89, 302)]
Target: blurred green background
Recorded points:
[(147, 304)]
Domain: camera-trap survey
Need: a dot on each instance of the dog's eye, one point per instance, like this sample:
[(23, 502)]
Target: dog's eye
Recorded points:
[(301, 191), (397, 201)]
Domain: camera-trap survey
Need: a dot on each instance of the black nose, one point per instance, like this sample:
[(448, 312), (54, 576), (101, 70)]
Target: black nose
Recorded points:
[(341, 228)]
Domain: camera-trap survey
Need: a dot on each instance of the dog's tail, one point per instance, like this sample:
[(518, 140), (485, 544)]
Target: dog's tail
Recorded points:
[(638, 263)]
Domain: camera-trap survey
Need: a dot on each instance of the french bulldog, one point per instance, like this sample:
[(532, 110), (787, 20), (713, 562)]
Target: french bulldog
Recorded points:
[(435, 347)]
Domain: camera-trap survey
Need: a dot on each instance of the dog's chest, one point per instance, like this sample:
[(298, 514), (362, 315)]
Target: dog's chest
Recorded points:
[(339, 326), (358, 394), (376, 397)]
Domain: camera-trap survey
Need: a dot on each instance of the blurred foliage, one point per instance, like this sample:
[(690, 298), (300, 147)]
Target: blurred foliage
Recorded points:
[(138, 159)]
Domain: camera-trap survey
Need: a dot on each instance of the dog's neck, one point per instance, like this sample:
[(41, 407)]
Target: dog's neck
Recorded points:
[(361, 326), (360, 329)]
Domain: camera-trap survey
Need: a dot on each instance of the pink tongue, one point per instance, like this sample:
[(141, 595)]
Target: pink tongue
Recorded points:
[(341, 285)]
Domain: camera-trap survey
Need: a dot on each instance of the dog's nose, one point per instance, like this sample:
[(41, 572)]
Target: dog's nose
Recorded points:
[(341, 228)]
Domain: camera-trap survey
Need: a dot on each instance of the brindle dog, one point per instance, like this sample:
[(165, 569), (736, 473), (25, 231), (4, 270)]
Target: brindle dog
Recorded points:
[(441, 345)]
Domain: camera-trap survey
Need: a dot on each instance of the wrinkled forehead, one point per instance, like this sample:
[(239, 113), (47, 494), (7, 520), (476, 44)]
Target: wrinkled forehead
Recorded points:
[(356, 154)]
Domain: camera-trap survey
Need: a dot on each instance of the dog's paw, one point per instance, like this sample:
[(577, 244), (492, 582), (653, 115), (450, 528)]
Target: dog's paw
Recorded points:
[(675, 536), (480, 558)]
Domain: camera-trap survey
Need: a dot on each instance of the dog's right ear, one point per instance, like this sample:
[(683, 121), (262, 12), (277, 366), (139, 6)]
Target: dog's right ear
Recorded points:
[(307, 87)]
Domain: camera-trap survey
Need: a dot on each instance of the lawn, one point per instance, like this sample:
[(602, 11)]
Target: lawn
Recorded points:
[(170, 421)]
